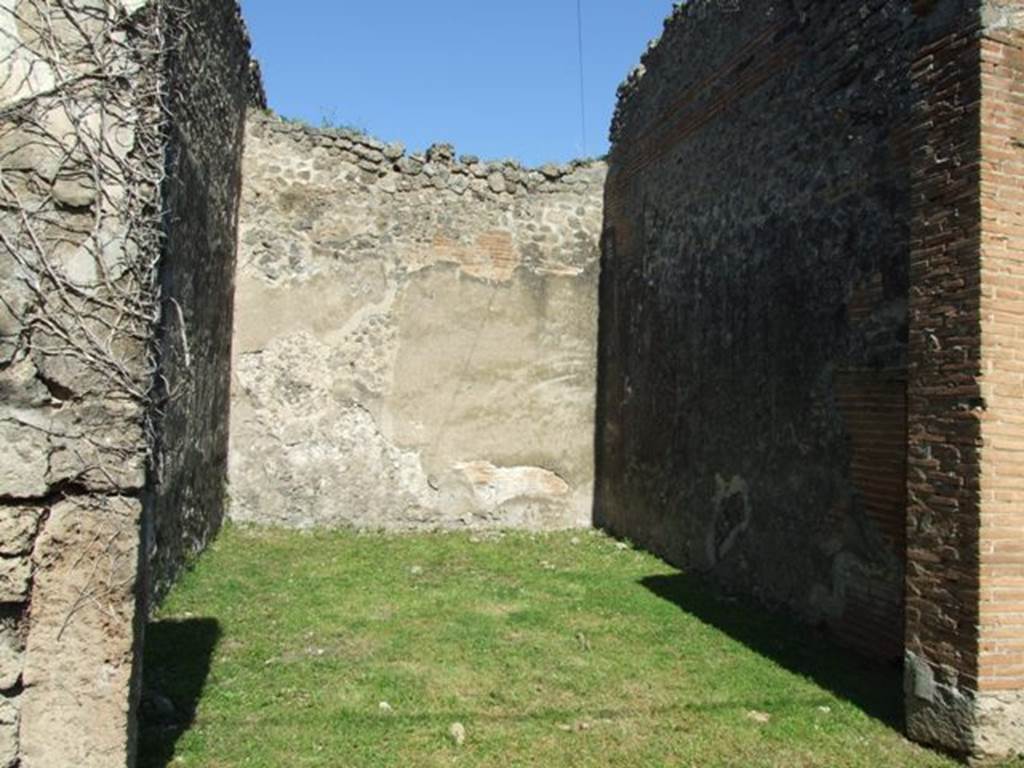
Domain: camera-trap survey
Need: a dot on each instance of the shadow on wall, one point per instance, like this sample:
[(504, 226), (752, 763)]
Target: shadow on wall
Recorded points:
[(177, 662), (868, 684)]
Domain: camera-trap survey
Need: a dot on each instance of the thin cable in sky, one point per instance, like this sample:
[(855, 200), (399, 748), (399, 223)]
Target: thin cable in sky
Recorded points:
[(583, 98)]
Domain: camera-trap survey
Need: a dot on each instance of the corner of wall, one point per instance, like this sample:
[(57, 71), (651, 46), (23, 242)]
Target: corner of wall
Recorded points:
[(964, 674)]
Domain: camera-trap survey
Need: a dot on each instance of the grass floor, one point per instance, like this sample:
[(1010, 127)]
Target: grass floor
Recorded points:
[(284, 649)]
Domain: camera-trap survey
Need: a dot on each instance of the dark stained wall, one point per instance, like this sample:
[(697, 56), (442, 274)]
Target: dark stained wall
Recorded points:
[(209, 85), (755, 280)]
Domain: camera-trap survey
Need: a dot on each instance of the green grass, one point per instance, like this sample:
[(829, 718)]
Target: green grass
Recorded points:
[(559, 650)]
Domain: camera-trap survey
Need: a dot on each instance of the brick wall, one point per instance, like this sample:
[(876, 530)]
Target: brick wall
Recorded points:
[(754, 305), (964, 629), (792, 188), (1001, 525), (1002, 382), (944, 398)]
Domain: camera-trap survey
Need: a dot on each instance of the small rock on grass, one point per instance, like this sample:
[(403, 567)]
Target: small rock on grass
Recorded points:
[(457, 733), (578, 727), (758, 716)]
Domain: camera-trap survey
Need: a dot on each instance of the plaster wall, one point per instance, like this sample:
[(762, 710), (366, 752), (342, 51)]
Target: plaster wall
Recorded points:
[(415, 336)]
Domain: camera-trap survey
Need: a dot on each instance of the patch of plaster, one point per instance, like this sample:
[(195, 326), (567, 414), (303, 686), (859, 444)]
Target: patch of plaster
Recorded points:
[(479, 494), (8, 732), (730, 519), (493, 486), (1000, 728)]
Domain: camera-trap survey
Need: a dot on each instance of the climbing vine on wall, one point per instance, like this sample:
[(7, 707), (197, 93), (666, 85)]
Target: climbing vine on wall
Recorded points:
[(82, 118)]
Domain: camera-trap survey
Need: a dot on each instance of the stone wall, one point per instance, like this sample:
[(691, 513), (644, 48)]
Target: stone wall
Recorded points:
[(808, 383), (753, 354), (414, 336), (77, 297), (208, 73), (790, 276), (86, 276)]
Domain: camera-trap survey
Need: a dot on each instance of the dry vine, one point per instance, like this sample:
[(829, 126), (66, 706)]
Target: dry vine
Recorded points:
[(82, 166), (83, 135)]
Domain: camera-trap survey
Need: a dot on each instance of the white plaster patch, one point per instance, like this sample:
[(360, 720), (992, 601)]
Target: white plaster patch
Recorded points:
[(493, 486), (8, 732), (1000, 730), (723, 533)]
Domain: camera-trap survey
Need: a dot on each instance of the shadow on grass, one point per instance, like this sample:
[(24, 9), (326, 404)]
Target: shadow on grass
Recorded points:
[(175, 667), (874, 687)]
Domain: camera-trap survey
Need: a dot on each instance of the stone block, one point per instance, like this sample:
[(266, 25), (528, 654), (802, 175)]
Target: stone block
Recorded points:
[(18, 526), (100, 446), (24, 451), (82, 644), (8, 733), (1000, 724), (15, 576), (12, 657)]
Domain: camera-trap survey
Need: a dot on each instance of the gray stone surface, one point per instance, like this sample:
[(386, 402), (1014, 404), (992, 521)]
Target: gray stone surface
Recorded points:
[(81, 644), (82, 409), (15, 577), (8, 732), (70, 410), (943, 710), (938, 710), (999, 15), (1000, 720), (24, 449), (414, 344), (12, 655), (18, 526)]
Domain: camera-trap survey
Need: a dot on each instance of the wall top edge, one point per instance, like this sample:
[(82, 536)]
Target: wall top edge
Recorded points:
[(439, 154)]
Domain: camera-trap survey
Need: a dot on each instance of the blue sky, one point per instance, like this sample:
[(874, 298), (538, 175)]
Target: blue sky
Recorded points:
[(497, 78)]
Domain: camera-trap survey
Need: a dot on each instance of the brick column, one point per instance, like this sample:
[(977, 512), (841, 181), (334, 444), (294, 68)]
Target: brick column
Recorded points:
[(1000, 705), (965, 535)]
